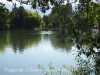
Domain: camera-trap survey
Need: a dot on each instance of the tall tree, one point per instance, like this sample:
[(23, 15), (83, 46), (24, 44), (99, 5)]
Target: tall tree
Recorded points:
[(18, 17), (25, 19), (4, 17), (32, 20), (61, 15)]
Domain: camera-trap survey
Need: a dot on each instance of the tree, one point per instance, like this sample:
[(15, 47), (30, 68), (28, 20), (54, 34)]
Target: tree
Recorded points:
[(32, 20), (60, 15), (18, 18), (4, 17), (25, 19), (47, 20)]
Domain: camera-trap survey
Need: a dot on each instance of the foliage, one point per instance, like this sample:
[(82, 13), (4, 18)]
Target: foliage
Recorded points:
[(43, 5), (47, 20), (87, 14), (32, 20), (59, 16), (18, 17), (25, 19), (4, 17)]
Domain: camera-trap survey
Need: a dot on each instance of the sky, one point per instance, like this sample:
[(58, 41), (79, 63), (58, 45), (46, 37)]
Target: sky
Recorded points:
[(9, 6)]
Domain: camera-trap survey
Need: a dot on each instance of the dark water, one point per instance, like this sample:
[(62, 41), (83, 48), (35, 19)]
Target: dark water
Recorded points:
[(23, 50)]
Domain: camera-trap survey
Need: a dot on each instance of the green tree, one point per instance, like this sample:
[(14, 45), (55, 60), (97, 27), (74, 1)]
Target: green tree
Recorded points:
[(18, 18), (21, 13), (59, 16), (32, 20), (25, 19), (4, 17), (47, 20)]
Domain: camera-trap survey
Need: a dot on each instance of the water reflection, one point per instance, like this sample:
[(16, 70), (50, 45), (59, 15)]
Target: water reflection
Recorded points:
[(56, 41), (4, 40), (23, 39), (62, 44), (19, 40), (33, 48), (86, 42)]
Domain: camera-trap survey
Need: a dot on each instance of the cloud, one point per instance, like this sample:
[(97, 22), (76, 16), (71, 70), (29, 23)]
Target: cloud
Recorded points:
[(4, 1), (10, 3)]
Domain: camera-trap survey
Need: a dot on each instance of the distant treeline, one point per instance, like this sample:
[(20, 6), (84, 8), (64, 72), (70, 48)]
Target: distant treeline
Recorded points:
[(19, 18), (63, 16)]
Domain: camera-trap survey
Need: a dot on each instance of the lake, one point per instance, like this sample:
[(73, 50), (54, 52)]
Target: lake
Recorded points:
[(22, 50)]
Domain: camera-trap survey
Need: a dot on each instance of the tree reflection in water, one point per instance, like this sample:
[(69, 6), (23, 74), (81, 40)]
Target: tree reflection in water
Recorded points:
[(86, 42), (19, 39), (4, 39), (61, 43)]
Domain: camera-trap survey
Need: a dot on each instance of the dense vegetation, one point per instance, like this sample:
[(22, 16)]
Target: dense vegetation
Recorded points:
[(85, 15), (82, 17), (59, 16), (4, 17), (19, 18)]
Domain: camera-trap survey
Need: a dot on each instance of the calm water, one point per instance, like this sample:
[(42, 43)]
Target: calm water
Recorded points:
[(23, 50)]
